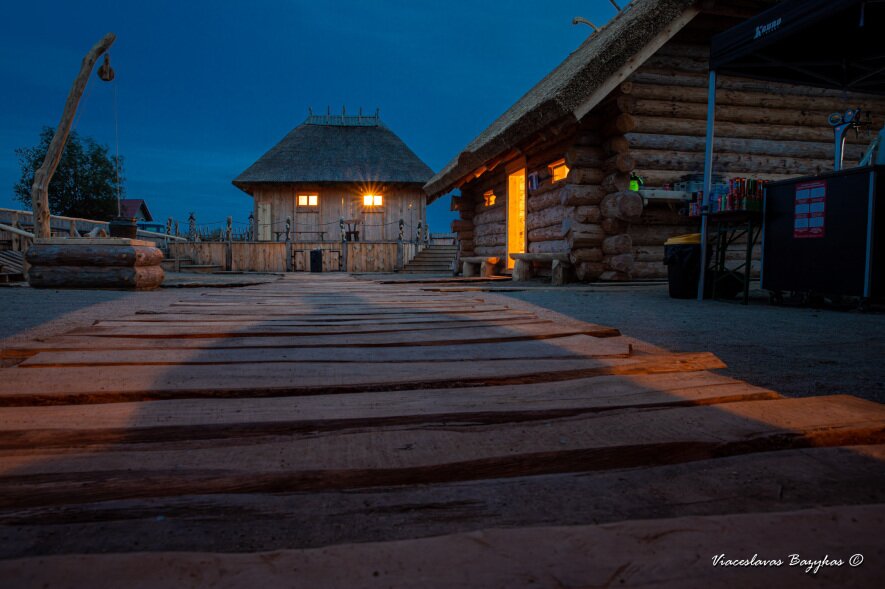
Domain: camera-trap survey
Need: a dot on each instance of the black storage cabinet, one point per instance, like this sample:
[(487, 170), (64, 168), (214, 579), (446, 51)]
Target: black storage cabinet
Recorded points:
[(683, 262), (848, 258)]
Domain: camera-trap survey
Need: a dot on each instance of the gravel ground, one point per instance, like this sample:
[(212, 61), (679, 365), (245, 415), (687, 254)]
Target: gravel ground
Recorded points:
[(795, 351)]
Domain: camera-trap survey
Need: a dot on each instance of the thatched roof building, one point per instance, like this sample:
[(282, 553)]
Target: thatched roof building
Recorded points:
[(334, 167), (551, 175), (338, 148)]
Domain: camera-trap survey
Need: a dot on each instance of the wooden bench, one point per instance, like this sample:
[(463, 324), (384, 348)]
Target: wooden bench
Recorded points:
[(524, 269), (486, 266)]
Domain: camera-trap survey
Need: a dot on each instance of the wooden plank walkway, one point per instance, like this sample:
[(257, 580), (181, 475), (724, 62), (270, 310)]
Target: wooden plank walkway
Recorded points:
[(390, 425)]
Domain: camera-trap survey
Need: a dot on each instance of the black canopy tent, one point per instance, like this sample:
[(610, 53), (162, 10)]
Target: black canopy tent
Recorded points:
[(837, 44)]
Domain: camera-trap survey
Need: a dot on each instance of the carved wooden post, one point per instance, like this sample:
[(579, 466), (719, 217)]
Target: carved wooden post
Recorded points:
[(418, 233), (228, 250), (342, 259), (400, 253), (289, 252), (43, 175), (251, 236), (177, 234), (192, 227)]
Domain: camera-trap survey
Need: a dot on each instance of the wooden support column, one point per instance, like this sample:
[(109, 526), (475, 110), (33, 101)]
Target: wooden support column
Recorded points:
[(619, 206)]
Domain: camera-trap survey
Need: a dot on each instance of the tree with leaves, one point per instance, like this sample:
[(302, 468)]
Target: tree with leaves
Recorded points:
[(85, 184)]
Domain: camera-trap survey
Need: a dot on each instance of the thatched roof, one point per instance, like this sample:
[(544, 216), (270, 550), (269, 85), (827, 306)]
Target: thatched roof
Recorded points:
[(337, 148), (565, 88)]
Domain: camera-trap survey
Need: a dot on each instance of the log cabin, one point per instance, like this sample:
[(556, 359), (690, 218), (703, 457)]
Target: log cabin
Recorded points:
[(335, 168), (551, 176)]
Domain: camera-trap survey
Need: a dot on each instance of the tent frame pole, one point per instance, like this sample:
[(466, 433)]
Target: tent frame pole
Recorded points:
[(708, 179)]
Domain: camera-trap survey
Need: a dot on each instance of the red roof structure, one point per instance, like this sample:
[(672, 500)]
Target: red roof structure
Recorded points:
[(135, 207)]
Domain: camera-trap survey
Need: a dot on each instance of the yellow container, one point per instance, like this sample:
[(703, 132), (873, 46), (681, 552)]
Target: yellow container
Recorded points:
[(691, 238)]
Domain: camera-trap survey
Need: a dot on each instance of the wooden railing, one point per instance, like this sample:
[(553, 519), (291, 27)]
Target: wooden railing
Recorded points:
[(17, 223)]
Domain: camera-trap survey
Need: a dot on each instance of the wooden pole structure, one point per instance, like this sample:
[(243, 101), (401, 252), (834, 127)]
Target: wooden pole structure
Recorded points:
[(40, 188)]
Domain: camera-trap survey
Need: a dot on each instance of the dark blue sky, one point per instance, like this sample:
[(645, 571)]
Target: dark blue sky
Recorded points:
[(205, 88)]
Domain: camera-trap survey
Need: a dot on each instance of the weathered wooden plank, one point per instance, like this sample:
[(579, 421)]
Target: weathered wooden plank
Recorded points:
[(265, 311), (259, 329), (368, 319), (25, 425), (99, 385), (485, 334), (578, 346), (673, 552), (755, 483), (380, 456), (237, 308)]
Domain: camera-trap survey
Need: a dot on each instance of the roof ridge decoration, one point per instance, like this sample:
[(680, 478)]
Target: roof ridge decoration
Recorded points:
[(344, 119)]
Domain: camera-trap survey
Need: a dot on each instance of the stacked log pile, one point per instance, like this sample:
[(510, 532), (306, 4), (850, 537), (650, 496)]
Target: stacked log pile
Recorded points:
[(95, 263)]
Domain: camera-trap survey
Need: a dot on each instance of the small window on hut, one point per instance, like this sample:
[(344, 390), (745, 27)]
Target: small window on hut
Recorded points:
[(373, 200), (308, 200), (488, 198), (558, 170)]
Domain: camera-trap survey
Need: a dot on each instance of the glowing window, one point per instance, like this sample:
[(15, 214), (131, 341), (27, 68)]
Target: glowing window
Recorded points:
[(489, 198), (307, 200), (559, 170), (373, 200)]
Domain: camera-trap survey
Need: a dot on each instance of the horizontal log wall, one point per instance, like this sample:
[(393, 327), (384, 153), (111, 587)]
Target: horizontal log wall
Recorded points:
[(482, 230), (763, 130), (545, 211)]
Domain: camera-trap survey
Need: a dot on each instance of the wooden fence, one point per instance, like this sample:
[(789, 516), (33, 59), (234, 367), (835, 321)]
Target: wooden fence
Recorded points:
[(269, 256), (23, 222)]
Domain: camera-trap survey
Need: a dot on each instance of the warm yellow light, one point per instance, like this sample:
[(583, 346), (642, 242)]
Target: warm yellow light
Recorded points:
[(559, 170), (516, 231), (489, 198), (308, 200), (372, 200)]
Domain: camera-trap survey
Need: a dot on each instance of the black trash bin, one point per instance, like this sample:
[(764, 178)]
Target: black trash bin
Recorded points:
[(316, 260), (682, 254)]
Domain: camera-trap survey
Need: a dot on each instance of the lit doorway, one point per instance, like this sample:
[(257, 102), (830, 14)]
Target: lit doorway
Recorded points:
[(516, 241)]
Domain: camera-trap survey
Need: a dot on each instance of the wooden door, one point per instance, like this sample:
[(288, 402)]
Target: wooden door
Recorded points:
[(373, 226), (307, 225), (516, 234), (263, 221)]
